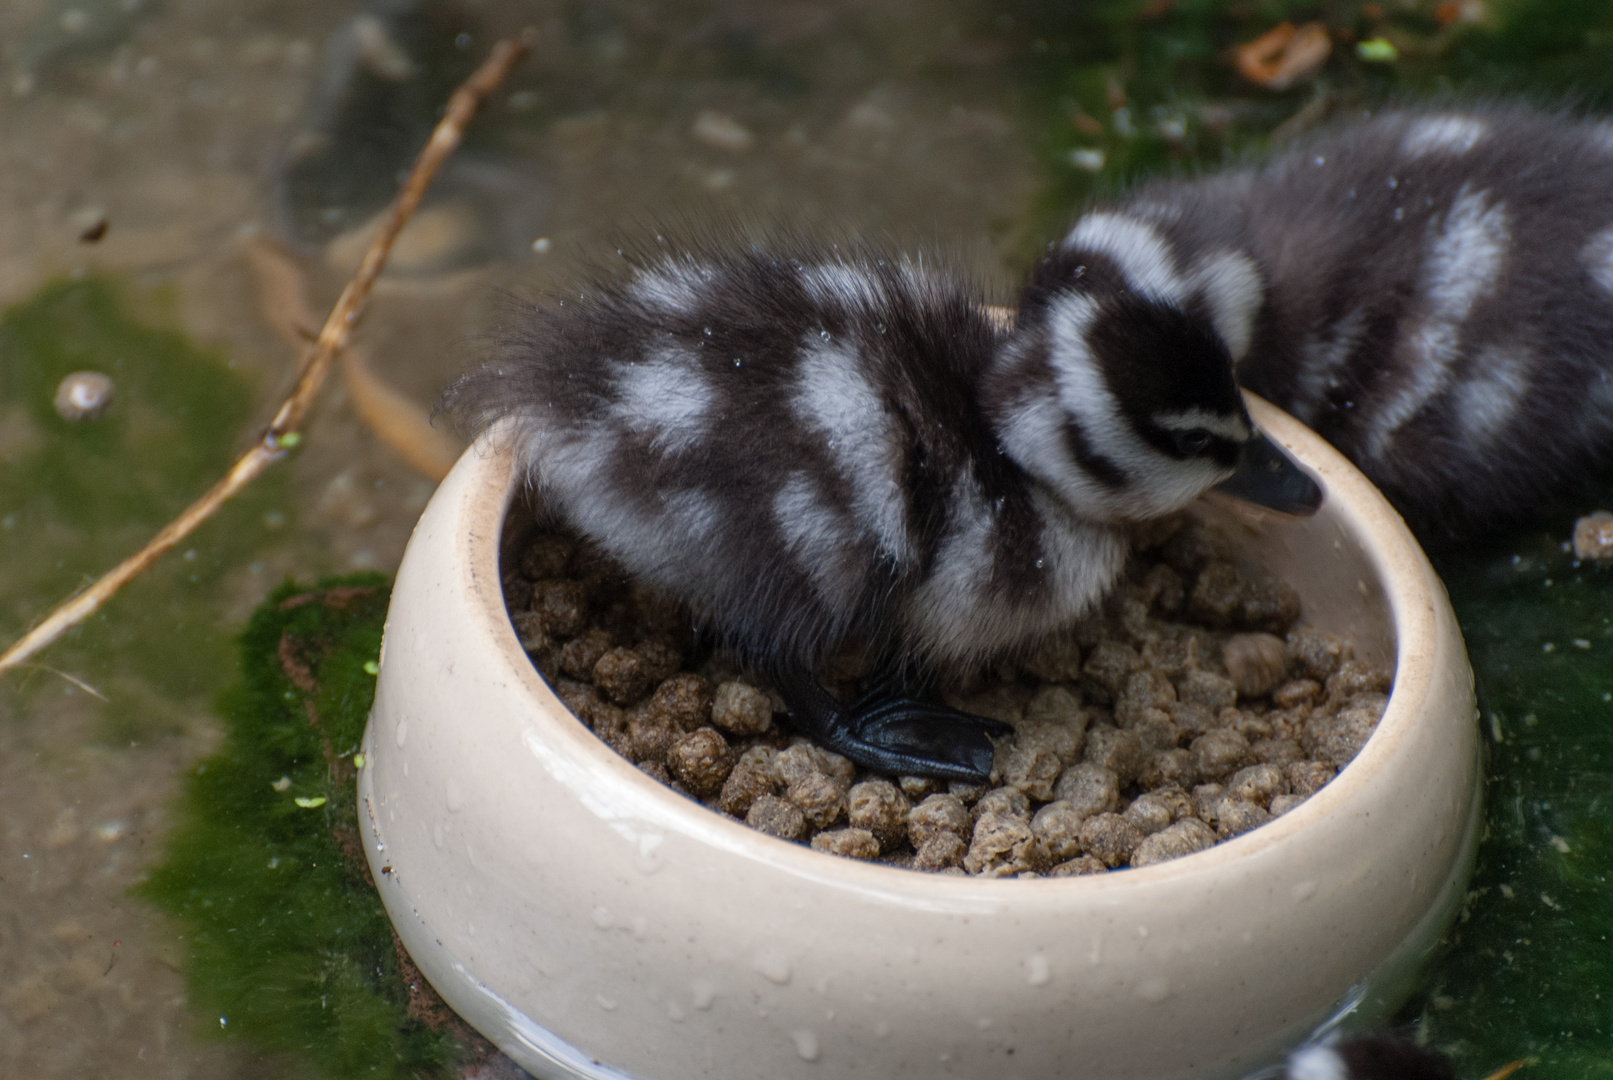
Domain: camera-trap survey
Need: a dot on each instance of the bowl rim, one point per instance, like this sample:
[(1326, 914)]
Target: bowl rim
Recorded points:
[(1412, 597)]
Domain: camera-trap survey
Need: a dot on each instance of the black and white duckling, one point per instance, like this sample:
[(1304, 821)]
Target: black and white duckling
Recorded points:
[(1432, 292), (818, 450), (1381, 1057)]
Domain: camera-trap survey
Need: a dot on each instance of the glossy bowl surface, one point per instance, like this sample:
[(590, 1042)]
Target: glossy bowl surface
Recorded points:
[(594, 923)]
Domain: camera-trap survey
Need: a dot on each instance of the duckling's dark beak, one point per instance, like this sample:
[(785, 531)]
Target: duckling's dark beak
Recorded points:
[(1266, 476)]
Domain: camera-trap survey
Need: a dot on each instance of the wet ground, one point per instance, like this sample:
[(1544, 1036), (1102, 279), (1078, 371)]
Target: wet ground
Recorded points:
[(199, 132)]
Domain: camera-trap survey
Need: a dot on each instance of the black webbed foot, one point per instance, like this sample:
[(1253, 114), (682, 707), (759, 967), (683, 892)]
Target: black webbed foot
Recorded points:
[(888, 730)]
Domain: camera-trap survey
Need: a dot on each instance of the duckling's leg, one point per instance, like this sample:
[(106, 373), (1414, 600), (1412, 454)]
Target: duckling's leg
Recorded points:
[(890, 732)]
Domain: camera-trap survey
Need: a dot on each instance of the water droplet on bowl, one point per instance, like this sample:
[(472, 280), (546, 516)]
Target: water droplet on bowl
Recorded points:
[(806, 1044)]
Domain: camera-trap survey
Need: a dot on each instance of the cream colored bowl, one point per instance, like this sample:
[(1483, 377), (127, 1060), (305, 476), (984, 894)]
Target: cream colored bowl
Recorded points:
[(594, 923)]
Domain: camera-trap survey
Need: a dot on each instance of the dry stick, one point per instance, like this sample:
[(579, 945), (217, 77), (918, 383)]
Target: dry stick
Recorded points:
[(281, 433)]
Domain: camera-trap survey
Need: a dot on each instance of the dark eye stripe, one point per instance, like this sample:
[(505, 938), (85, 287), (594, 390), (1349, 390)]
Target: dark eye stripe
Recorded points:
[(1100, 468)]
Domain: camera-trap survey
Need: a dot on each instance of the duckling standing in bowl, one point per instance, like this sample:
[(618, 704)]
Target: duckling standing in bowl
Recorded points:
[(816, 450)]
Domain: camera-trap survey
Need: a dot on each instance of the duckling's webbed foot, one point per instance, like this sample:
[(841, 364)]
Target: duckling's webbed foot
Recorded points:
[(892, 732)]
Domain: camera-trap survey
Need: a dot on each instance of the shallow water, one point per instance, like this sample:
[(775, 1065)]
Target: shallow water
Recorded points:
[(198, 131)]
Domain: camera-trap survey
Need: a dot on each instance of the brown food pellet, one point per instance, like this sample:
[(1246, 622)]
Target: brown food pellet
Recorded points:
[(1269, 605), (1121, 752), (937, 814), (1284, 803), (1031, 768), (579, 655), (918, 788), (1277, 751), (529, 630), (880, 807), (1217, 754), (1357, 677), (1003, 800), (942, 851), (1168, 768), (1314, 655), (649, 735), (621, 675), (801, 758), (1056, 660), (1056, 834), (546, 557), (1150, 813), (1258, 784), (1254, 662), (1296, 692), (776, 817), (1306, 778), (1206, 797), (752, 777), (740, 709), (853, 843), (1111, 838), (1235, 816), (1336, 738), (1091, 789), (1182, 838), (685, 700), (702, 760), (821, 799), (661, 659), (1081, 864), (1107, 669), (1206, 688), (1217, 594), (969, 793), (1115, 718), (1001, 846), (561, 605)]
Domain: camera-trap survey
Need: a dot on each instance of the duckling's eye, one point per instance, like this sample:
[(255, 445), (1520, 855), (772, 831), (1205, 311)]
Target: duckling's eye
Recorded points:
[(1192, 442)]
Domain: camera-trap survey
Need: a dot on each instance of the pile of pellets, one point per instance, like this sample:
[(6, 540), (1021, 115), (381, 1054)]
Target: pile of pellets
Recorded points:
[(1191, 709)]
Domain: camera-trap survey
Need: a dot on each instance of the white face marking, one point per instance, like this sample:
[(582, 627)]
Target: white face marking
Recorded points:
[(667, 394), (1464, 263), (1489, 397), (1320, 362), (1442, 135), (1157, 483), (833, 396), (676, 284), (1136, 247), (1316, 1063), (818, 539), (1231, 286), (1228, 427), (1597, 255)]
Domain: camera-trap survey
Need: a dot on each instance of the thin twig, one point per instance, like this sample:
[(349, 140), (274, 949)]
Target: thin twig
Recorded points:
[(282, 431)]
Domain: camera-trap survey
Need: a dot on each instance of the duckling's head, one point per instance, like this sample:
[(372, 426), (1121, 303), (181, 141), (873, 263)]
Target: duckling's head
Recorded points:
[(1116, 385)]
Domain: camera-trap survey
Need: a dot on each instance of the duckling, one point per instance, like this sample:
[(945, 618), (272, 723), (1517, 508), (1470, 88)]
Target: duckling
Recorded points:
[(814, 449), (1433, 293), (1377, 1057)]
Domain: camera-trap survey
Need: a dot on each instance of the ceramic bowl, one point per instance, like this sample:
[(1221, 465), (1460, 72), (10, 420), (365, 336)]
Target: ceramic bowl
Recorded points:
[(593, 923)]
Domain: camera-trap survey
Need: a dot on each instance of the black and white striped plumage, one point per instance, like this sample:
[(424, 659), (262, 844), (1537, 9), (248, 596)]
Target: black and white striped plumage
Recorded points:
[(1434, 296), (816, 450)]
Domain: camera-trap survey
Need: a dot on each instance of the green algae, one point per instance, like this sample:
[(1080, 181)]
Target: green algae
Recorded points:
[(76, 499), (288, 944), (1528, 970)]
